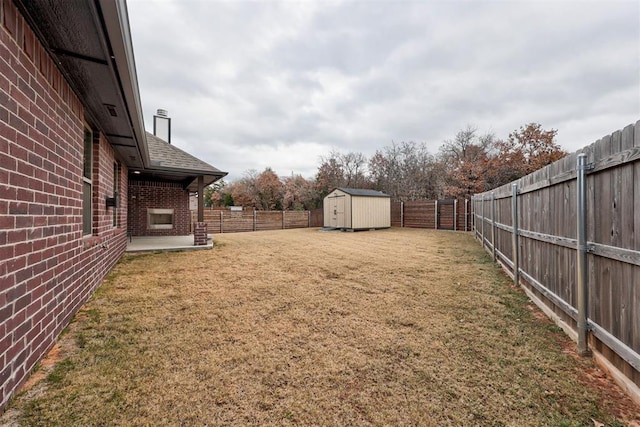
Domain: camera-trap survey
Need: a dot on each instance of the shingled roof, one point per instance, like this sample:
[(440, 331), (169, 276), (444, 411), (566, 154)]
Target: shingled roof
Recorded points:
[(362, 192), (169, 157)]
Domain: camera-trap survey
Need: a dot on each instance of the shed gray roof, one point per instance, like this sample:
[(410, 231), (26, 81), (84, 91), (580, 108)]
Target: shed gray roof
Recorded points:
[(362, 192), (169, 157)]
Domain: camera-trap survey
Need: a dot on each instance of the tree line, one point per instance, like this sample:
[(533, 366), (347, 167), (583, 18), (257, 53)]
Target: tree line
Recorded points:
[(469, 163)]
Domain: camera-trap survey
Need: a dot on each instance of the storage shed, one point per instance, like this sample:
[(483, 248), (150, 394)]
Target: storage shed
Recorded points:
[(357, 209)]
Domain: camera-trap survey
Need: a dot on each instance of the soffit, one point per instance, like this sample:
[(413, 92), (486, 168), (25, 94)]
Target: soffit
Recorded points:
[(76, 35)]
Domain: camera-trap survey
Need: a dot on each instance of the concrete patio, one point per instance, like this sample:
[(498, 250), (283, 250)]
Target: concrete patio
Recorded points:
[(166, 244)]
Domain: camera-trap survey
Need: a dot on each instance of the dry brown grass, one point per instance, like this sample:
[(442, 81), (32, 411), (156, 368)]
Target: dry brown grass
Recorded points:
[(393, 327)]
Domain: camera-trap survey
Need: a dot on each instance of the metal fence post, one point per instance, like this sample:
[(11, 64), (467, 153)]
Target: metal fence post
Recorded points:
[(482, 219), (436, 216), (493, 224), (474, 223), (401, 214), (514, 236), (283, 221), (472, 212), (581, 254), (221, 220), (455, 214), (474, 219), (466, 214), (254, 219)]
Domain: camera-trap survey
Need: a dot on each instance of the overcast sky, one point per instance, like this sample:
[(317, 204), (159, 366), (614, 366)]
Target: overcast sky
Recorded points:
[(250, 85)]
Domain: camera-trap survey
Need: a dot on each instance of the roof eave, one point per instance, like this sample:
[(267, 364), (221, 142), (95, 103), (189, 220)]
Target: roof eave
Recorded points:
[(186, 172), (208, 180), (119, 33)]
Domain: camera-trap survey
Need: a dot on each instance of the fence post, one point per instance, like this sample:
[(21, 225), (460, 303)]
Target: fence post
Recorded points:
[(436, 217), (482, 216), (581, 261), (309, 219), (455, 214), (283, 221), (221, 219), (493, 223), (473, 224), (473, 216), (466, 215), (514, 236), (474, 219), (401, 214)]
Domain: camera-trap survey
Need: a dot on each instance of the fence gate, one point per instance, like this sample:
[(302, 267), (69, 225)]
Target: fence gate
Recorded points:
[(446, 214)]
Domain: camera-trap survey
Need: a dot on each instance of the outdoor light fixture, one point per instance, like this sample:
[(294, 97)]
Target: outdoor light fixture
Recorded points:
[(112, 202)]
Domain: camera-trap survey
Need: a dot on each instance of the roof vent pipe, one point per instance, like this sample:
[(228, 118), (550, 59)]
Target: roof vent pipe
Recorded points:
[(162, 125)]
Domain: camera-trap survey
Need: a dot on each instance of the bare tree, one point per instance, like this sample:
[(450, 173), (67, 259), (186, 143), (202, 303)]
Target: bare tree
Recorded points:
[(354, 168), (406, 171), (467, 146), (341, 170)]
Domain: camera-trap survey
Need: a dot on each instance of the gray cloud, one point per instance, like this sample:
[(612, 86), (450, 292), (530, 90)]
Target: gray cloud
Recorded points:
[(256, 84)]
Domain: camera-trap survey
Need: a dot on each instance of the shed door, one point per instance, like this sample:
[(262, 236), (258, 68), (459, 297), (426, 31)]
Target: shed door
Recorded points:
[(337, 212)]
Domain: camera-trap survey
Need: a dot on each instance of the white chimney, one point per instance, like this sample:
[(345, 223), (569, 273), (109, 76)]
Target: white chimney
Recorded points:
[(162, 125)]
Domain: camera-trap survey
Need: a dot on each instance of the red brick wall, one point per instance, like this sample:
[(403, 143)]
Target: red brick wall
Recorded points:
[(48, 269), (145, 195)]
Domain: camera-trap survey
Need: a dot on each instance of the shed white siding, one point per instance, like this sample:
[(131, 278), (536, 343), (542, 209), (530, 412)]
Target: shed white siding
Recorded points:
[(370, 212), (355, 209)]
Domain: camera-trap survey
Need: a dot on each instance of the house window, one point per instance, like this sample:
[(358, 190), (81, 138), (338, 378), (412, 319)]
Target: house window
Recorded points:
[(116, 192), (87, 185), (159, 219)]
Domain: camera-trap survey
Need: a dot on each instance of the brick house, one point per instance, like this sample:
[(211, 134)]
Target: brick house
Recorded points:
[(78, 172), (158, 197)]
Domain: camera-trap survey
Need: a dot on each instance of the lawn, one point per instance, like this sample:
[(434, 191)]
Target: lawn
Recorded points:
[(304, 327)]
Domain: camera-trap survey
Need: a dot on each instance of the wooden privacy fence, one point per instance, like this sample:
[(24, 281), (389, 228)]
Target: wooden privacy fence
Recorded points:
[(224, 221), (317, 217), (570, 235), (448, 214)]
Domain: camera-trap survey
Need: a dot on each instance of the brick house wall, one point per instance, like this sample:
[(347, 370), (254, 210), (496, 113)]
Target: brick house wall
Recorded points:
[(144, 195), (48, 269)]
